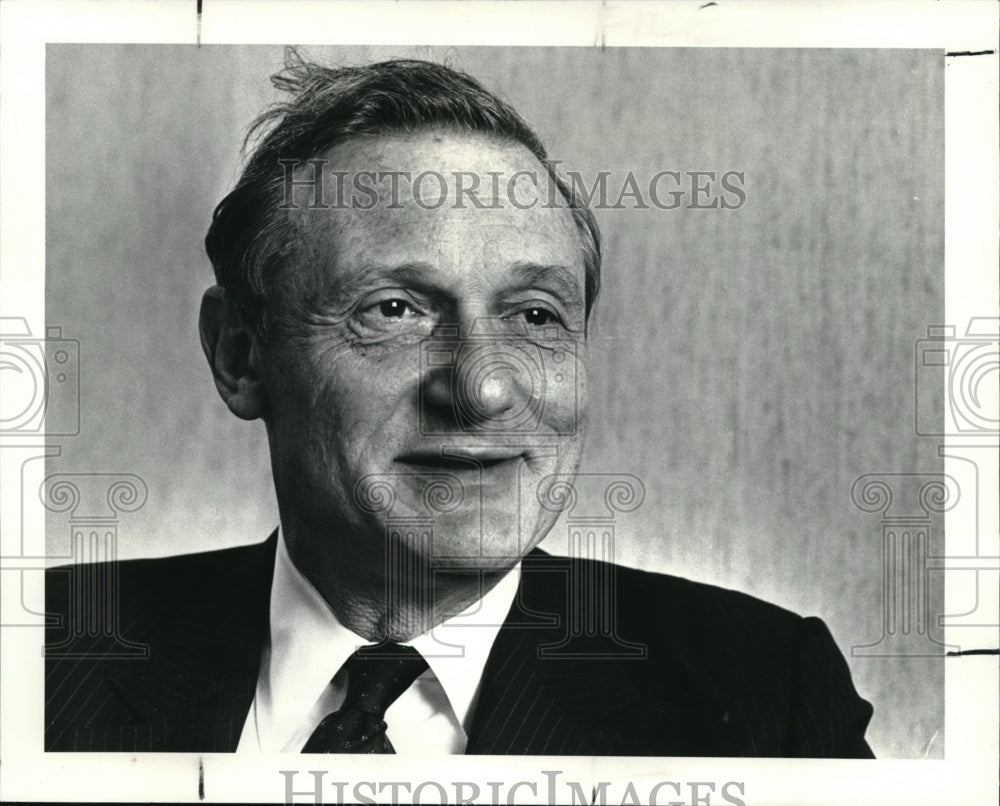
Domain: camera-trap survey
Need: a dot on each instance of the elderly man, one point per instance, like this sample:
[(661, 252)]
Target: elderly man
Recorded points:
[(404, 285)]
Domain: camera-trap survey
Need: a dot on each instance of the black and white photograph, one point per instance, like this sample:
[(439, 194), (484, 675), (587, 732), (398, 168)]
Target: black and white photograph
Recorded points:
[(619, 414)]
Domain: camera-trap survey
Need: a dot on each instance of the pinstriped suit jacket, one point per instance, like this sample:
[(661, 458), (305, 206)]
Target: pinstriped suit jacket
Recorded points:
[(688, 669)]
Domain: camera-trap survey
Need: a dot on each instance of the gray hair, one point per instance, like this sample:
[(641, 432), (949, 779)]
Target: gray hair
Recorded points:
[(251, 238)]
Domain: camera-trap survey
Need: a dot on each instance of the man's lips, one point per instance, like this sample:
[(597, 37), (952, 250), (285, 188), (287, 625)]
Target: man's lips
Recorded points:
[(453, 459)]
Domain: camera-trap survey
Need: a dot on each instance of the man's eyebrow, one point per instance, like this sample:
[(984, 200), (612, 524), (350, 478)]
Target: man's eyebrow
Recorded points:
[(412, 275), (555, 277), (409, 273)]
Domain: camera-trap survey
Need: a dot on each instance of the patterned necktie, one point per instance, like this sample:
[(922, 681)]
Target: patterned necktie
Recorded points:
[(376, 676)]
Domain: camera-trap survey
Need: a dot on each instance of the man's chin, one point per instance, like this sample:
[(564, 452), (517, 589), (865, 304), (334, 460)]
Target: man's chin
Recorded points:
[(489, 565), (491, 538)]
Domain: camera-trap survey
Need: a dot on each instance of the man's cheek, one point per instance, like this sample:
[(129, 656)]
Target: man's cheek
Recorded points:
[(565, 402)]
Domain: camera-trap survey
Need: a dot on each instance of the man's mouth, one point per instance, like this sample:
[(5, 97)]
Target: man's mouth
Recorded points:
[(460, 459)]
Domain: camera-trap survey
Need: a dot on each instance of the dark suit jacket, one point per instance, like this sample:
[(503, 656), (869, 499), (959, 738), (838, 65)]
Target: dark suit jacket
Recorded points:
[(689, 669)]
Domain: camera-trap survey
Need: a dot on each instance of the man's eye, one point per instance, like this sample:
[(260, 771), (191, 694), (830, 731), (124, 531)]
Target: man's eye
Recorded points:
[(539, 316), (396, 308)]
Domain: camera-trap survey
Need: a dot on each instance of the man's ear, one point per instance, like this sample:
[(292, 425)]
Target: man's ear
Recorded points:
[(233, 356)]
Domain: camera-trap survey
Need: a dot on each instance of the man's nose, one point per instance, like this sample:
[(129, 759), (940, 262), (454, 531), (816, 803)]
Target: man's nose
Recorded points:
[(483, 383)]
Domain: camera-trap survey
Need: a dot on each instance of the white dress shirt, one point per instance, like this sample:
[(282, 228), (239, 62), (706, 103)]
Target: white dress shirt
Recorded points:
[(308, 646)]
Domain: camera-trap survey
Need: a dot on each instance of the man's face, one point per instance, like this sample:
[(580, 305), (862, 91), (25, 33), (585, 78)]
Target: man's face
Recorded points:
[(366, 397)]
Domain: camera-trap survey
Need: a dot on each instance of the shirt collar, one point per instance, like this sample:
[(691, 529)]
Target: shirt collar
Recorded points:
[(457, 649), (308, 644)]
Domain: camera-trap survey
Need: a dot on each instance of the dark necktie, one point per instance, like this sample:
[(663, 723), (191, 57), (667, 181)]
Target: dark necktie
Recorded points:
[(376, 676)]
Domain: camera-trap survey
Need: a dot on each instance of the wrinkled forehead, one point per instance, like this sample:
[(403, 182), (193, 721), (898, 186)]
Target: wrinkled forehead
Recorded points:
[(431, 196)]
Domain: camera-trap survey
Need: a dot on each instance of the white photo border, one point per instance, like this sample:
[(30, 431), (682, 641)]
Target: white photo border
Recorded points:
[(967, 774)]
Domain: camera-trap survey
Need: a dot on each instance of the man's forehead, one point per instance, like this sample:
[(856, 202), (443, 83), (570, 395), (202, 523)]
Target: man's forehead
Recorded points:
[(441, 150), (431, 195), (430, 170)]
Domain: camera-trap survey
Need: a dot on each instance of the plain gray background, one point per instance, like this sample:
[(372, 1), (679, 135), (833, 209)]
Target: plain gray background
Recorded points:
[(747, 365)]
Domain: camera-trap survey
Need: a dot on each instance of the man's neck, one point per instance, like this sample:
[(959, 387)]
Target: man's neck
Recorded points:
[(411, 603)]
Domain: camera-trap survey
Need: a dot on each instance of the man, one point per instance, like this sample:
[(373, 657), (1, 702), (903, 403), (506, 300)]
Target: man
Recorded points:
[(404, 285)]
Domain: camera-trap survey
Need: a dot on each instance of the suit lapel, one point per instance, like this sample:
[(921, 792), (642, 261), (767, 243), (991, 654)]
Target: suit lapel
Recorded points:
[(196, 689), (542, 695)]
